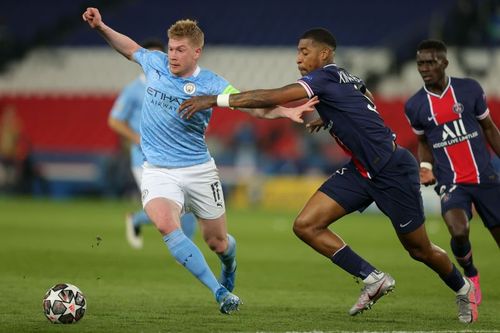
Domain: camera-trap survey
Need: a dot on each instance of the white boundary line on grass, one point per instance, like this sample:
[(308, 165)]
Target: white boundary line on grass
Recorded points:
[(454, 331)]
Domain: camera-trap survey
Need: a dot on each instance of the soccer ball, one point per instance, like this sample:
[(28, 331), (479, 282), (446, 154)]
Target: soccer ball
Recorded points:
[(64, 303)]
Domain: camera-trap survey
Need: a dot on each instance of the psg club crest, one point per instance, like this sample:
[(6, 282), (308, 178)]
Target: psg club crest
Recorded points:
[(458, 108), (189, 88)]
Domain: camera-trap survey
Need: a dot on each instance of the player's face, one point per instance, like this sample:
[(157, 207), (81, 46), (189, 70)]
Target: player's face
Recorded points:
[(182, 57), (308, 56), (431, 65)]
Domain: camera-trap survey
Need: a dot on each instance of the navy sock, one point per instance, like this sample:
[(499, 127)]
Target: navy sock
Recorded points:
[(352, 263), (463, 255), (454, 279)]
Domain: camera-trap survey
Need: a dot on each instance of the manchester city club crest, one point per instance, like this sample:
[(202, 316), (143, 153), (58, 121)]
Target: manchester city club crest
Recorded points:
[(189, 88), (458, 108)]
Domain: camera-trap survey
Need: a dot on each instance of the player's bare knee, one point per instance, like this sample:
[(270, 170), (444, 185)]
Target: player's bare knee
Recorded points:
[(418, 253), (300, 227), (458, 224), (164, 228), (216, 244), (459, 232), (304, 228)]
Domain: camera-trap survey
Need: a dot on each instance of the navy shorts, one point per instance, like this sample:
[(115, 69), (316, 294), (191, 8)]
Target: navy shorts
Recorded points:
[(486, 199), (395, 190)]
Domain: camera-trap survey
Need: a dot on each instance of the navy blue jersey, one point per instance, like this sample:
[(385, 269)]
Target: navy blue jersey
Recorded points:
[(450, 123), (351, 117)]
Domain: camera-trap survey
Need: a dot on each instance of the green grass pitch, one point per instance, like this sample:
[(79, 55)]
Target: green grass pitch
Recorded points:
[(285, 285)]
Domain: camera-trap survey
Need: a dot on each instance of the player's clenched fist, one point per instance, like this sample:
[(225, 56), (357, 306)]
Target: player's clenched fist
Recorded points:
[(427, 177), (92, 17)]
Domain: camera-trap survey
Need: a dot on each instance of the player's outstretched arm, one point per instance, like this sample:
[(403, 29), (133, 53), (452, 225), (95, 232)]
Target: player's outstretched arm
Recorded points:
[(118, 41), (491, 133), (293, 113), (426, 159), (262, 98)]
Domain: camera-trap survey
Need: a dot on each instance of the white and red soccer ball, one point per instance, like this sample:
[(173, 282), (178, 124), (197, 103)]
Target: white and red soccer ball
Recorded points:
[(64, 303)]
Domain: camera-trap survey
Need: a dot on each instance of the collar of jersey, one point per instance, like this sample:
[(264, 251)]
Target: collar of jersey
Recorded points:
[(195, 73), (444, 91)]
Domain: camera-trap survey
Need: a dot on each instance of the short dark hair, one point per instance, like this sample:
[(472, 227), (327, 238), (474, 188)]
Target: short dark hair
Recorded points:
[(432, 44), (153, 43), (320, 35)]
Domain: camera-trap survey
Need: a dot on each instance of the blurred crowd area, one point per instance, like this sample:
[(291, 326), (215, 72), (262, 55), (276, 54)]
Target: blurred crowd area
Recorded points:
[(58, 81)]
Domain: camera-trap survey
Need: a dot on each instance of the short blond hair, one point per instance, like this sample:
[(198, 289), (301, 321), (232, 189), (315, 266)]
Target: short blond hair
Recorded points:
[(187, 29)]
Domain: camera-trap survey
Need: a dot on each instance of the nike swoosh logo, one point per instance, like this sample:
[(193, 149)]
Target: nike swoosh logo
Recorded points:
[(404, 225), (371, 297), (430, 118)]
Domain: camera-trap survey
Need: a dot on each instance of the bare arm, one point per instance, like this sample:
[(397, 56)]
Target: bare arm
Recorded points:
[(425, 155), (123, 129), (262, 98), (116, 40), (491, 133), (293, 113)]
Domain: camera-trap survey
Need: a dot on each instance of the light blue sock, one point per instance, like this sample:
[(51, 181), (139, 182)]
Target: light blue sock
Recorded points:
[(187, 254), (139, 218), (228, 258), (188, 224)]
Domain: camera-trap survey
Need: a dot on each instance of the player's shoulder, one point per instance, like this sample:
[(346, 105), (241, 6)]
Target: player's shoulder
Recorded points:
[(465, 82), (154, 57), (413, 103), (330, 70), (467, 87), (210, 78), (326, 72), (207, 73)]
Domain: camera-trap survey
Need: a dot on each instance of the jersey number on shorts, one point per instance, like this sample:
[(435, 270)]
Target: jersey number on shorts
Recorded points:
[(216, 193)]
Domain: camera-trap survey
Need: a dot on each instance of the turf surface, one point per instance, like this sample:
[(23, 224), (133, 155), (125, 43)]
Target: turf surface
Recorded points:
[(284, 284)]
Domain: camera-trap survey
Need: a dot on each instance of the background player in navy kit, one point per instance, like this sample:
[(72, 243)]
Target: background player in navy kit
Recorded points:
[(447, 115), (125, 119), (379, 171)]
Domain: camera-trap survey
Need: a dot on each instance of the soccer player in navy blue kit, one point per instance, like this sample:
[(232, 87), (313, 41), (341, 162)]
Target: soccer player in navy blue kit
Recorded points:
[(379, 171), (125, 119), (179, 173), (450, 117)]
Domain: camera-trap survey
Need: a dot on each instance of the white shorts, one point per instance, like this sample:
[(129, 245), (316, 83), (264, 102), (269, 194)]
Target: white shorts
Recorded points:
[(196, 188)]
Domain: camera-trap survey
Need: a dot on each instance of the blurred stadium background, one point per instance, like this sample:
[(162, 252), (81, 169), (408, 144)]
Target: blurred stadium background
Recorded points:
[(58, 80)]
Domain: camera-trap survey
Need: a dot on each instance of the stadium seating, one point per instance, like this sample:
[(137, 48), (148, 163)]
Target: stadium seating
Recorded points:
[(64, 87)]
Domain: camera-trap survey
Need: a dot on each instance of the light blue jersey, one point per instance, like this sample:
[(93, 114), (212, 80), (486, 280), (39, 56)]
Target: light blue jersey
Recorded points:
[(127, 108), (167, 140)]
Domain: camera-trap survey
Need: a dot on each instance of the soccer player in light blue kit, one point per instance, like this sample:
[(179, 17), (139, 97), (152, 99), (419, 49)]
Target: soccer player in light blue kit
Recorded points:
[(125, 119), (179, 172)]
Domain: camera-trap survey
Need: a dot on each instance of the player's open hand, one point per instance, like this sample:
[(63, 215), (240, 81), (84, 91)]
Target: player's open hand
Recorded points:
[(315, 125), (197, 103), (427, 177), (296, 113), (92, 17)]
